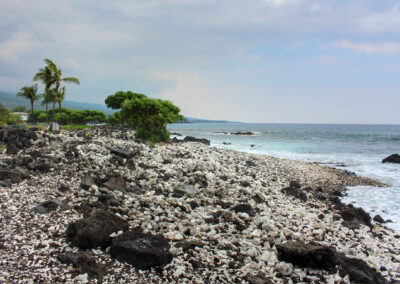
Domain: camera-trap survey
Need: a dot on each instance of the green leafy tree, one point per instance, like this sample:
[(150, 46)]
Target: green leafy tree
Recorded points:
[(115, 101), (51, 75), (30, 93), (4, 115), (149, 117)]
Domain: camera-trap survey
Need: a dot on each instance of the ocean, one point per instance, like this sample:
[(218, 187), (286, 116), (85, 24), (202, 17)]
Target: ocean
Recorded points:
[(356, 148)]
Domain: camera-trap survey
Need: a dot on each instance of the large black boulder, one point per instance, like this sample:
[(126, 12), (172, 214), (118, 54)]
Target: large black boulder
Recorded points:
[(307, 255), (395, 158), (141, 250), (359, 271), (94, 231), (313, 255), (353, 217)]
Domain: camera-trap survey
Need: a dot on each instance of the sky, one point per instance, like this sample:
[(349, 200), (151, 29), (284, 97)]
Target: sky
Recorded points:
[(278, 61)]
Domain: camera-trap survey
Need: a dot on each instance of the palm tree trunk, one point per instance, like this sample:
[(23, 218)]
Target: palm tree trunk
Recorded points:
[(59, 106), (47, 112), (32, 109), (52, 117), (54, 106)]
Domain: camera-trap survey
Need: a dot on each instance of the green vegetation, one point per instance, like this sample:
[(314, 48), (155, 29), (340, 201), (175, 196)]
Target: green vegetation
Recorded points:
[(6, 118), (30, 93), (19, 109), (51, 76), (68, 116), (4, 115), (149, 117)]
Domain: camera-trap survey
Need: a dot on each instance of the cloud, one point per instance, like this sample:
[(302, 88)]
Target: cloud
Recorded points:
[(383, 21), (370, 47), (19, 42)]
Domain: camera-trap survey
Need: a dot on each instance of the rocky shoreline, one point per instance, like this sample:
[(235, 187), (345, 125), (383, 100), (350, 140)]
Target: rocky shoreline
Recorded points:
[(89, 206)]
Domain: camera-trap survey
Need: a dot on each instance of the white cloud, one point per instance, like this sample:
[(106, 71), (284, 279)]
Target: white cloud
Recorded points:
[(19, 42), (383, 21), (370, 47)]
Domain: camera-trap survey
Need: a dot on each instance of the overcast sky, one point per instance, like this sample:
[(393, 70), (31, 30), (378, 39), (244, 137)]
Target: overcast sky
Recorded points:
[(328, 61)]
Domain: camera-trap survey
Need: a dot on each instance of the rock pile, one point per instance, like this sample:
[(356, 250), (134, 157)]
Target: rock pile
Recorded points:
[(16, 138), (107, 208)]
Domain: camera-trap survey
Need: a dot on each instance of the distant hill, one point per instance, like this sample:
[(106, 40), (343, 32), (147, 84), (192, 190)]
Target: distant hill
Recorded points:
[(10, 100), (199, 120)]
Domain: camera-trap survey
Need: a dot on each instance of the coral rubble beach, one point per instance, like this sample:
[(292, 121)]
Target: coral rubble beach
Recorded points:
[(214, 215)]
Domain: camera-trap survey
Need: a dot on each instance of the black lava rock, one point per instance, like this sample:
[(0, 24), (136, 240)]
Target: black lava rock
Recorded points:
[(141, 250), (395, 158), (94, 231), (194, 139)]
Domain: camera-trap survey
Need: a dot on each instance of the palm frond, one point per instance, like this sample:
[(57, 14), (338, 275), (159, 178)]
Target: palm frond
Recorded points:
[(71, 80)]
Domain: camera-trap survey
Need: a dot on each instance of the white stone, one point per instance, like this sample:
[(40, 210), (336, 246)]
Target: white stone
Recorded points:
[(284, 268), (82, 278)]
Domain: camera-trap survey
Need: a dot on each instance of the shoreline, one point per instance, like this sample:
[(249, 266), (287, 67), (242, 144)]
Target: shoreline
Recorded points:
[(226, 244)]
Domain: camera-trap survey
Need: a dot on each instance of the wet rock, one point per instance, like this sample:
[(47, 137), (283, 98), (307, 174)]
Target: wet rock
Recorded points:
[(226, 143), (84, 262), (243, 133), (379, 219), (12, 175), (354, 216), (94, 231), (244, 208), (395, 158), (194, 139), (141, 250)]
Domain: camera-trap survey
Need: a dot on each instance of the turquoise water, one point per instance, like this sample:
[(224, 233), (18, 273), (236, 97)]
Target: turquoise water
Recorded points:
[(357, 148)]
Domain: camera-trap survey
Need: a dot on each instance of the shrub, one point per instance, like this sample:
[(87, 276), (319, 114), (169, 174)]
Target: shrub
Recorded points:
[(149, 117)]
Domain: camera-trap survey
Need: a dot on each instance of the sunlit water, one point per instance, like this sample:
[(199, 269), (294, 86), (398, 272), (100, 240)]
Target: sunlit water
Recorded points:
[(356, 148)]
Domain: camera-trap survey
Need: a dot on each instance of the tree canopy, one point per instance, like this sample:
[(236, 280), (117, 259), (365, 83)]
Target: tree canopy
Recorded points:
[(115, 101), (149, 117)]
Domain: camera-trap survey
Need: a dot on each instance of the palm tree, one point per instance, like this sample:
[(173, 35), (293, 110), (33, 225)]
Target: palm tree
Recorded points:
[(60, 99), (51, 75), (30, 93), (48, 97)]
